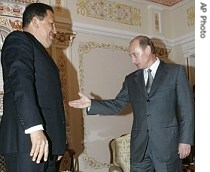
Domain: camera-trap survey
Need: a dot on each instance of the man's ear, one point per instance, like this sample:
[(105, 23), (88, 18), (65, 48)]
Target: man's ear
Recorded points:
[(148, 49), (35, 22)]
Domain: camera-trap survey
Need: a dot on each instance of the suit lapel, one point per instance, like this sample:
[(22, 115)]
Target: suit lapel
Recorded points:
[(139, 79)]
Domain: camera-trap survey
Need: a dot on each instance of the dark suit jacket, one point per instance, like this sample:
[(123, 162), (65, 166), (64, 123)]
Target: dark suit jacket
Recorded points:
[(165, 117), (32, 95)]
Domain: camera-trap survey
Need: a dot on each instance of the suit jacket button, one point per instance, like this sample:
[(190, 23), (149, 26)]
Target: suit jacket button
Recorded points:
[(148, 100)]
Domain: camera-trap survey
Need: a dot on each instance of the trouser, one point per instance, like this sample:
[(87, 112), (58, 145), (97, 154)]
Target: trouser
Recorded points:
[(22, 162), (151, 164)]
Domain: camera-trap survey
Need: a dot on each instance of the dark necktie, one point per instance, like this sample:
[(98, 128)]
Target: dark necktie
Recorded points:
[(149, 81)]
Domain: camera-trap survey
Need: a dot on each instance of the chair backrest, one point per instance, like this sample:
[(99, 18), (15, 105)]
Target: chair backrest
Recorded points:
[(120, 152)]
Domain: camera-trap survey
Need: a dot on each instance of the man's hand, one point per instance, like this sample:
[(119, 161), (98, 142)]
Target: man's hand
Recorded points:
[(83, 102), (40, 147), (184, 150)]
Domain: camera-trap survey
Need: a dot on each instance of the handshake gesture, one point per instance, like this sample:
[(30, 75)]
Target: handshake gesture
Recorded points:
[(83, 102)]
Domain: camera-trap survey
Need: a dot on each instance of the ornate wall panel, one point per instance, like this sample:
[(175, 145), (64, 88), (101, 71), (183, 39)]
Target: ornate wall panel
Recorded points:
[(110, 11), (191, 16), (93, 81)]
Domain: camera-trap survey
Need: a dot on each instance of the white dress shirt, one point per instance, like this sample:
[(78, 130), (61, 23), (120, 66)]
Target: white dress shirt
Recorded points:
[(153, 68)]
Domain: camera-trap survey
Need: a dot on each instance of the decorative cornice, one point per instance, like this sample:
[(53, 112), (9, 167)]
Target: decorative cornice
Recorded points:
[(190, 37), (119, 34), (103, 31)]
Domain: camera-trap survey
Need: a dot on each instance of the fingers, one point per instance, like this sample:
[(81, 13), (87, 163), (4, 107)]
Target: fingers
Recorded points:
[(184, 150), (46, 151), (83, 102), (81, 95), (74, 104), (40, 147), (183, 155)]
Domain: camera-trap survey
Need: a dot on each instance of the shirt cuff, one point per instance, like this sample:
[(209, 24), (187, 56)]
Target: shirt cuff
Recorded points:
[(34, 128)]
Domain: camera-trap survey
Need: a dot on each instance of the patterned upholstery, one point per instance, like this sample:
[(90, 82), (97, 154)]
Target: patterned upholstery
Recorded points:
[(2, 164), (120, 148)]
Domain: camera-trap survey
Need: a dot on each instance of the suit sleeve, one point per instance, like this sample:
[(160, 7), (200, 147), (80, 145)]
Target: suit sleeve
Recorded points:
[(19, 72), (111, 106), (186, 108)]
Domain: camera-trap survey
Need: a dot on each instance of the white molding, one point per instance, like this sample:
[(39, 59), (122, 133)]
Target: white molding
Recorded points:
[(189, 50), (115, 33), (190, 37), (102, 31), (155, 7)]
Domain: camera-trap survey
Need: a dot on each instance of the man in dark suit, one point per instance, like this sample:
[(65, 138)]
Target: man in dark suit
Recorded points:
[(32, 129), (163, 123)]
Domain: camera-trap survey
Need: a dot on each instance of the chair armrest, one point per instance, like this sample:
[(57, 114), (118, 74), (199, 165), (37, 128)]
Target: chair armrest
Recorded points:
[(115, 168)]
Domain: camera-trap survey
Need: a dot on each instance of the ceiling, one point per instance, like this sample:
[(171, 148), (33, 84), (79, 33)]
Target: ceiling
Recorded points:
[(168, 3)]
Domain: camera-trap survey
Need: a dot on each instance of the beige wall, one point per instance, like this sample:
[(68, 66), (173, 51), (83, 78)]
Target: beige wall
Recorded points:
[(97, 62)]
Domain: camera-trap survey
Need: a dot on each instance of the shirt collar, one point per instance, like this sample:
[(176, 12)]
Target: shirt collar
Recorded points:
[(154, 66)]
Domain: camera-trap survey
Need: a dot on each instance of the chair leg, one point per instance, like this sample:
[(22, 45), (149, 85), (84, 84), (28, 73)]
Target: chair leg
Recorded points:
[(72, 161), (57, 165), (70, 154)]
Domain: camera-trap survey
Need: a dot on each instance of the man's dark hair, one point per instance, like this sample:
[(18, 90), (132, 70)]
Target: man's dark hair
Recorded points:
[(35, 9), (144, 41)]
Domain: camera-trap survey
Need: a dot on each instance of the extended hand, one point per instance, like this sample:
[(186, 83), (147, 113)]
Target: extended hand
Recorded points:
[(40, 147), (184, 150), (83, 102)]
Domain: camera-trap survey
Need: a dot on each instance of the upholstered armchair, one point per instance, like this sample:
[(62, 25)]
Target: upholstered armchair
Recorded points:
[(120, 154)]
